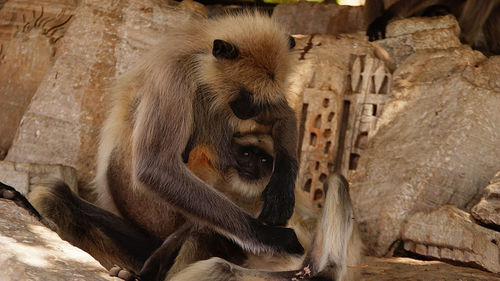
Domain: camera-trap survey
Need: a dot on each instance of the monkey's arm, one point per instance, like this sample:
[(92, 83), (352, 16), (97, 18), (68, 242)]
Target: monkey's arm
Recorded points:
[(400, 9), (159, 138), (279, 194)]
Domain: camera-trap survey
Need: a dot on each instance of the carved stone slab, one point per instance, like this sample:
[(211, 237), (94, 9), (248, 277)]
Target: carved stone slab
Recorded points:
[(451, 234), (341, 86), (30, 37), (487, 210)]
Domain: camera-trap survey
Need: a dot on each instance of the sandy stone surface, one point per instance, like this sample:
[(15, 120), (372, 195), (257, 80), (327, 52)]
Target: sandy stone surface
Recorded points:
[(30, 251), (405, 269)]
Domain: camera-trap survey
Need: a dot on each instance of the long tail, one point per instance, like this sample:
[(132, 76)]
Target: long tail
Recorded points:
[(333, 247)]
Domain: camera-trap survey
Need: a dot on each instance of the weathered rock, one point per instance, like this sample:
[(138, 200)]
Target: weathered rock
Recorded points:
[(61, 125), (30, 251), (22, 176), (488, 209), (451, 234), (341, 87), (437, 142), (406, 36), (404, 269), (323, 18), (30, 33)]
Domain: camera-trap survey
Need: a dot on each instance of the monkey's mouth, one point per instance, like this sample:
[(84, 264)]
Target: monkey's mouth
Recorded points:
[(248, 175)]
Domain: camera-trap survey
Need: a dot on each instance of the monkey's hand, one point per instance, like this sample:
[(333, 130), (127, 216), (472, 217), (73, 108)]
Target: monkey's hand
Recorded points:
[(280, 239), (279, 199), (376, 29)]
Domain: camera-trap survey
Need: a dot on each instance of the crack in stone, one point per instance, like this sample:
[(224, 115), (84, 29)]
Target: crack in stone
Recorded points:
[(307, 48)]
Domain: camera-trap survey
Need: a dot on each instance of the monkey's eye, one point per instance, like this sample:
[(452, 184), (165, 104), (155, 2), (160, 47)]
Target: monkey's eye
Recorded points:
[(263, 160), (291, 42), (245, 152)]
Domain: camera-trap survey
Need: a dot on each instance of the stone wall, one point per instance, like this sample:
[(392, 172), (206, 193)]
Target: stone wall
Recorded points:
[(30, 33)]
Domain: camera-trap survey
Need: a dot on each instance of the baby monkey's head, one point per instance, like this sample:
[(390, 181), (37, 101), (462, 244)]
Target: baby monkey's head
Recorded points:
[(254, 157)]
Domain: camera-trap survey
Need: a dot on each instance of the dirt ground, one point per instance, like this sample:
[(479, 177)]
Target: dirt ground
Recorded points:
[(396, 269)]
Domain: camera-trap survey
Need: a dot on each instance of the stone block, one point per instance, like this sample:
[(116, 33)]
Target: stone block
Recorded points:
[(319, 18), (22, 176), (407, 36)]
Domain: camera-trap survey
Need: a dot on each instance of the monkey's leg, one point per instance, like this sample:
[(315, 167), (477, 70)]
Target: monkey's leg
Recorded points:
[(156, 267), (184, 247), (217, 269), (105, 236)]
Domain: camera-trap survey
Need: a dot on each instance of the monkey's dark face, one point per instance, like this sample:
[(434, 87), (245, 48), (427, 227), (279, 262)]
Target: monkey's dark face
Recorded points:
[(253, 162), (244, 106), (250, 76)]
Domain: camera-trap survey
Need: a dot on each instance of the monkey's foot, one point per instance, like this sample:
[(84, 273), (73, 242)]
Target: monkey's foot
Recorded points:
[(8, 192), (302, 274), (124, 274)]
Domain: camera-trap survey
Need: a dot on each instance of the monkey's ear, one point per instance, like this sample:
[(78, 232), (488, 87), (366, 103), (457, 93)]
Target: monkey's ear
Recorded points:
[(291, 42), (224, 50)]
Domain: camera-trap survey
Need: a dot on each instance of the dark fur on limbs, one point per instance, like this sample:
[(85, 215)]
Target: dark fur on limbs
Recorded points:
[(87, 226)]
